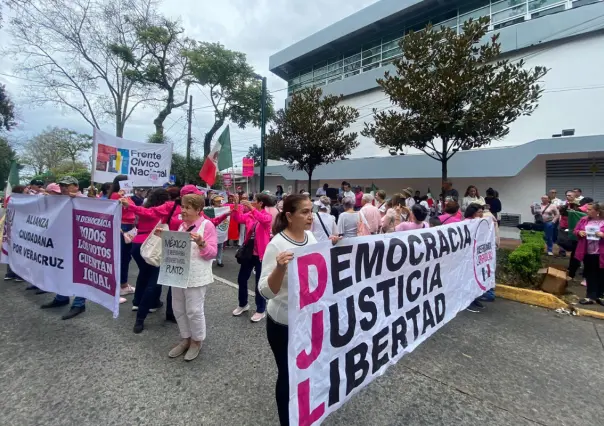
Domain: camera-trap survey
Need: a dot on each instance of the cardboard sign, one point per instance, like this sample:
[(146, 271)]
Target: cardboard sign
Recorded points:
[(176, 259), (128, 187)]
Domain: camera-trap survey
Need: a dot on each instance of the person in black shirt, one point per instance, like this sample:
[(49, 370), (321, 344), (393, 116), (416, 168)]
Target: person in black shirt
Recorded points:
[(493, 201)]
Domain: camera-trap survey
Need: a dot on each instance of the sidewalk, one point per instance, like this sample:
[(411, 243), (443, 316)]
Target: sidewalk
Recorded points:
[(509, 365)]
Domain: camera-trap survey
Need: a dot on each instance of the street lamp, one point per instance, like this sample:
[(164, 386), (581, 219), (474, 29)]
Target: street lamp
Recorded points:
[(262, 130)]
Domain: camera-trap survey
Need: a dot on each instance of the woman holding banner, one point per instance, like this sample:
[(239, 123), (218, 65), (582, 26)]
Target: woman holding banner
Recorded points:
[(291, 230), (188, 303), (128, 220)]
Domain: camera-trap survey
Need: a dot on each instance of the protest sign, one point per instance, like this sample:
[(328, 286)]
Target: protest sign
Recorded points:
[(145, 164), (175, 259), (227, 180), (356, 308), (248, 167), (67, 246), (591, 232), (127, 187)]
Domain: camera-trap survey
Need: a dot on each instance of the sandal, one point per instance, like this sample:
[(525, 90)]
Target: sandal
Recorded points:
[(586, 301)]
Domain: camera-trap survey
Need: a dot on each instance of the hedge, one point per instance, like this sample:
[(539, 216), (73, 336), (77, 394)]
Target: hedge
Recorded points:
[(526, 259)]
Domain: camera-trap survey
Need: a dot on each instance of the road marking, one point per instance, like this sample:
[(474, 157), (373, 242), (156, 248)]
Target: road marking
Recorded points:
[(232, 284)]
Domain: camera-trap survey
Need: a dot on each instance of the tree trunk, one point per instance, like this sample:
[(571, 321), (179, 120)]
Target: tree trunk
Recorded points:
[(207, 140), (310, 183), (443, 165), (163, 114)]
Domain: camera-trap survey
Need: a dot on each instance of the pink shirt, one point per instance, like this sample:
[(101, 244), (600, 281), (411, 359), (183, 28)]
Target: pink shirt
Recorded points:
[(358, 199), (409, 226), (208, 252), (373, 217), (447, 218), (148, 218), (258, 221), (582, 242), (128, 216)]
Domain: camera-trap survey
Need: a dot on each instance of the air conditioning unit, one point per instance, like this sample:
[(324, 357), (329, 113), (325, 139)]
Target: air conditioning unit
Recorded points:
[(510, 219)]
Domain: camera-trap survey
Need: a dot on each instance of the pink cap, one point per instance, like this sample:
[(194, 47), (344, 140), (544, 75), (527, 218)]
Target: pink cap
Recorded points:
[(190, 189), (53, 187)]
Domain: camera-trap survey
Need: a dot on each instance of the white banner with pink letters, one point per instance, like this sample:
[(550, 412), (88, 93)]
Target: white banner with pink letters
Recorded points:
[(358, 307)]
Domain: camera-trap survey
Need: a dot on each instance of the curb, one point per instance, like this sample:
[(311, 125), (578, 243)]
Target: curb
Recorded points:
[(530, 297), (542, 299)]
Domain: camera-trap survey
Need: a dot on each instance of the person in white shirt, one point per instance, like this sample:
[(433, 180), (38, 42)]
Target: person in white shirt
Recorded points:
[(348, 221), (471, 197), (323, 223), (347, 191), (291, 229), (321, 192), (578, 194), (380, 201), (408, 194), (553, 197)]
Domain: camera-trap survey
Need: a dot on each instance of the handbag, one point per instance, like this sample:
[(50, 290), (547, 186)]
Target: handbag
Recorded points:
[(151, 249), (246, 251)]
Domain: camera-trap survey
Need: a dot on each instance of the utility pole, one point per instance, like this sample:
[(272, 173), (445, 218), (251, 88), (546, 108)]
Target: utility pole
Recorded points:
[(189, 141), (263, 135)]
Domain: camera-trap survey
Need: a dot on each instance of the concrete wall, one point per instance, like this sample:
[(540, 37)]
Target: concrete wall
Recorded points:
[(573, 98)]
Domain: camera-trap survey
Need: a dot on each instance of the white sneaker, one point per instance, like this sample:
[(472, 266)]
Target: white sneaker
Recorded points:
[(123, 300), (135, 308), (237, 312), (549, 253), (257, 317), (127, 290)]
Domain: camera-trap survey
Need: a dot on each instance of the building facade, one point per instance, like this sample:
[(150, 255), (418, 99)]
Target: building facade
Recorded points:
[(562, 35)]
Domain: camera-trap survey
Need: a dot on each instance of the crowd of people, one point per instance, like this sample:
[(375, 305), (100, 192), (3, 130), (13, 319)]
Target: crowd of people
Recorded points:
[(264, 228)]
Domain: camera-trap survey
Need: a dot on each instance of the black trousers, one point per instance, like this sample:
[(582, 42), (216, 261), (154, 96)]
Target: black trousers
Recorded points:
[(277, 339), (594, 276), (574, 264)]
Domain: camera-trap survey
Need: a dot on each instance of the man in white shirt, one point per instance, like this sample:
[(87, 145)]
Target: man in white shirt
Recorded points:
[(578, 194), (322, 192), (553, 197), (347, 192)]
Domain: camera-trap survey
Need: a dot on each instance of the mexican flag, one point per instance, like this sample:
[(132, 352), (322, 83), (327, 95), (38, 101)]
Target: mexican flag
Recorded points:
[(220, 158)]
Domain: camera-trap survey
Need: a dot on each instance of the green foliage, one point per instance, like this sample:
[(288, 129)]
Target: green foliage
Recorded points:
[(7, 110), (7, 155), (453, 93), (312, 131), (158, 138), (178, 169), (256, 153), (525, 260), (81, 174), (235, 91)]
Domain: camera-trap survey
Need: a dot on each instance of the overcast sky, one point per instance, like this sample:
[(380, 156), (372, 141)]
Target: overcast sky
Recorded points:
[(258, 28)]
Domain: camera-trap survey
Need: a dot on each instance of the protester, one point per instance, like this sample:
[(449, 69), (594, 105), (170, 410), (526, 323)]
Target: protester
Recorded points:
[(188, 303), (487, 213), (291, 230), (434, 222), (553, 197), (324, 224), (471, 196), (474, 211), (322, 192), (492, 199), (216, 202), (175, 221), (448, 191), (380, 201), (396, 213), (279, 192), (128, 219), (578, 194), (147, 293), (548, 214), (36, 186), (139, 196), (358, 198), (417, 219), (451, 214), (370, 219), (348, 220), (69, 186), (590, 251), (417, 197), (346, 192), (408, 194), (53, 189), (105, 189), (258, 225)]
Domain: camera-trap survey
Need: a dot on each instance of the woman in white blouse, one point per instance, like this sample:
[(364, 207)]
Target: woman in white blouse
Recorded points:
[(323, 224), (291, 229)]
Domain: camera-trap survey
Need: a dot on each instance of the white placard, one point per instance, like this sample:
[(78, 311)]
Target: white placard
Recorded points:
[(357, 308), (67, 246), (176, 259), (145, 164), (591, 231), (128, 187)]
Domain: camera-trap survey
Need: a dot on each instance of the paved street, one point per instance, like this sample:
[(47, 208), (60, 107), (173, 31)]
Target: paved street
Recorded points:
[(510, 365)]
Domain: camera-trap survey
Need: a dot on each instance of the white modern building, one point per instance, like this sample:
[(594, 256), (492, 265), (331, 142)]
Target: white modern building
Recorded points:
[(565, 36)]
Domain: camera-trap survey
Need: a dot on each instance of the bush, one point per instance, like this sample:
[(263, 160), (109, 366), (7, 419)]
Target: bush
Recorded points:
[(525, 261)]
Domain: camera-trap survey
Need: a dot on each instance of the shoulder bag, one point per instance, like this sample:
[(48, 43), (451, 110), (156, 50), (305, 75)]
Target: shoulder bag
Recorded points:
[(151, 249), (323, 225), (246, 251)]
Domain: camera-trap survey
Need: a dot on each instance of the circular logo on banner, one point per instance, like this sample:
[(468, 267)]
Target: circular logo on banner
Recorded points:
[(483, 255)]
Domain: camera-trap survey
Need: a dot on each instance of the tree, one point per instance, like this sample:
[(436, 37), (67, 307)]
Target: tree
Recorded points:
[(164, 64), (72, 51), (235, 91), (7, 110), (256, 153), (178, 169), (312, 131), (453, 93), (54, 148), (7, 156)]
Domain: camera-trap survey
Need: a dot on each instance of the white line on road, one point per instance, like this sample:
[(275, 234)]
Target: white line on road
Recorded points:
[(232, 284)]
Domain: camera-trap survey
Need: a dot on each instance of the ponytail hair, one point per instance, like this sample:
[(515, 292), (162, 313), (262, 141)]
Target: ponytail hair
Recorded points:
[(290, 205)]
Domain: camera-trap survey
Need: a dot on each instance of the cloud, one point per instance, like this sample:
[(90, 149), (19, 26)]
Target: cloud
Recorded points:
[(258, 28)]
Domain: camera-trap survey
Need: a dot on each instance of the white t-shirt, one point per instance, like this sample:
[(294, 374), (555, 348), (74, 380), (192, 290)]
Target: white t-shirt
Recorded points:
[(348, 194), (348, 224), (317, 229), (277, 303), (321, 192)]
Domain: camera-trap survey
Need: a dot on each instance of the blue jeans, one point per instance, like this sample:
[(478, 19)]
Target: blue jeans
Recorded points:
[(245, 272), (126, 255), (147, 291), (549, 229), (78, 302)]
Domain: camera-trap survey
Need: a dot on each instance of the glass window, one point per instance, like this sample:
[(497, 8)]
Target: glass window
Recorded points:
[(352, 67), (547, 12), (448, 23), (390, 45), (475, 14), (538, 4), (509, 23), (372, 48), (331, 80), (350, 74), (505, 4), (513, 12), (370, 67), (320, 71), (393, 36), (391, 53), (306, 76), (371, 60), (352, 57)]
